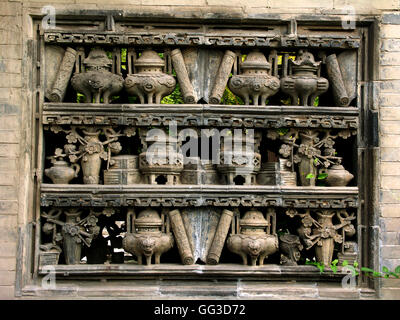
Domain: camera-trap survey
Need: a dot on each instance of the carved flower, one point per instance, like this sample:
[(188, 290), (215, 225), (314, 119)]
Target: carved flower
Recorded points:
[(69, 148), (307, 221), (92, 148), (327, 232), (328, 142), (59, 153), (115, 147), (91, 220), (291, 213), (72, 230), (73, 158), (329, 152), (344, 134), (58, 237), (95, 230), (56, 129), (296, 158), (129, 132), (272, 134), (108, 212), (338, 238), (71, 138), (327, 164), (103, 155), (285, 150), (48, 228)]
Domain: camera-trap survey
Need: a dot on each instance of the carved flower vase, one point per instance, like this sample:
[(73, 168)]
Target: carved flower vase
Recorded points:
[(61, 173), (150, 83), (97, 82), (254, 83), (327, 232), (303, 81), (72, 243), (338, 176), (144, 236), (91, 161), (253, 240)]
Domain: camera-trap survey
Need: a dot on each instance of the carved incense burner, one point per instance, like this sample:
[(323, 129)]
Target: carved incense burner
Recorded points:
[(97, 82), (303, 81), (256, 237), (150, 84), (255, 83), (146, 236)]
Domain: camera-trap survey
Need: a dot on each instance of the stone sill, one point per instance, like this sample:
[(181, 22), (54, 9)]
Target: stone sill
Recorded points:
[(201, 115), (197, 195)]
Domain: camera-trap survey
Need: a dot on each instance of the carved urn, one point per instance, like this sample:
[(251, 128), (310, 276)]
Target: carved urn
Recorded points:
[(255, 82), (150, 83), (303, 81), (256, 238), (97, 82), (61, 172), (145, 236), (338, 176)]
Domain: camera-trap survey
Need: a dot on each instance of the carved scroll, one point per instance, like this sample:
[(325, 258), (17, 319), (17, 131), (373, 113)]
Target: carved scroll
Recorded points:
[(339, 91), (221, 80), (181, 237), (183, 77), (220, 235), (64, 74)]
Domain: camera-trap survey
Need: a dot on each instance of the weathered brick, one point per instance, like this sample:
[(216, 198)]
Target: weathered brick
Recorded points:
[(390, 224), (327, 4), (9, 228), (8, 206), (390, 238), (8, 264), (390, 113), (9, 136), (8, 178), (10, 96), (240, 3), (7, 278), (391, 282), (371, 4), (10, 51), (10, 37), (390, 31), (391, 86), (11, 24), (7, 292), (392, 45), (10, 80), (10, 8), (390, 72), (10, 65), (390, 252), (390, 196), (390, 168), (8, 249), (390, 127), (164, 2), (390, 293), (390, 140), (9, 150), (391, 264), (8, 122), (8, 164), (391, 18), (390, 210), (390, 154), (8, 192)]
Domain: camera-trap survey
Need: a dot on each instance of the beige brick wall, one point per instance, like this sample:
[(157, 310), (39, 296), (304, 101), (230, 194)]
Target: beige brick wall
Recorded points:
[(13, 137)]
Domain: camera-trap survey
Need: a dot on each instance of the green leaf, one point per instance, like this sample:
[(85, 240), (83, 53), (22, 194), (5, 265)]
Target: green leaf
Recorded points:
[(385, 269), (322, 176), (334, 262), (315, 160), (345, 263), (355, 264), (394, 275), (397, 270), (310, 176), (365, 269)]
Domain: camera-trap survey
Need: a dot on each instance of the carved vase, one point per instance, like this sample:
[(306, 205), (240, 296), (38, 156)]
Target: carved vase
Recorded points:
[(150, 83), (71, 242), (61, 173), (303, 81), (91, 161), (338, 176), (254, 83), (325, 246), (97, 81)]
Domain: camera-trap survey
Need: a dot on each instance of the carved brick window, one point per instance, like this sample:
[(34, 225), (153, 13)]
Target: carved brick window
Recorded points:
[(188, 143)]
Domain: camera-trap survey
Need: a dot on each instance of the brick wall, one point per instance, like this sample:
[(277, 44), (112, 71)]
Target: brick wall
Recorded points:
[(15, 171)]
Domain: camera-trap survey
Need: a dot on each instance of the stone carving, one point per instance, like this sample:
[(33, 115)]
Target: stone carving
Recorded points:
[(97, 81), (181, 237), (221, 80), (63, 76), (49, 254), (302, 80), (255, 236), (183, 76), (307, 154), (255, 82), (60, 172), (197, 172), (91, 149), (150, 84), (124, 170), (268, 173), (147, 235), (290, 246), (337, 176), (335, 76), (74, 231), (322, 232)]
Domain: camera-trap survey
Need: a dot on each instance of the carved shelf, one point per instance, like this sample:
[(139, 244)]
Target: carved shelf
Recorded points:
[(176, 271), (200, 115), (197, 195)]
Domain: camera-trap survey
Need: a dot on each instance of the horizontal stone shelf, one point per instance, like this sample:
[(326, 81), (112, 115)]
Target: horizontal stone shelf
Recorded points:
[(220, 38), (177, 271), (197, 195), (235, 116)]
